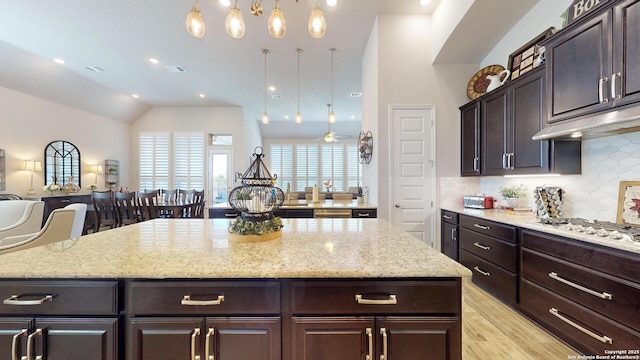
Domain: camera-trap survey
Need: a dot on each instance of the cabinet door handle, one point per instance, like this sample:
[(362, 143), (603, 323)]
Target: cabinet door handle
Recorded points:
[(483, 227), (602, 295), (370, 341), (453, 234), (483, 247), (504, 161), (476, 166), (601, 338), (15, 350), (15, 300), (510, 161), (601, 90), (485, 273), (207, 344), (31, 346), (392, 300), (614, 86), (194, 337), (383, 332), (186, 300), (447, 217)]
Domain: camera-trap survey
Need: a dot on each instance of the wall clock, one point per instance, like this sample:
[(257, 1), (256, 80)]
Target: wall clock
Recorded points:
[(478, 84)]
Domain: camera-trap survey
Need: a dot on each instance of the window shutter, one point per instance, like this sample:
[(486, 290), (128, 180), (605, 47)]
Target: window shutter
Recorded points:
[(154, 149), (188, 160)]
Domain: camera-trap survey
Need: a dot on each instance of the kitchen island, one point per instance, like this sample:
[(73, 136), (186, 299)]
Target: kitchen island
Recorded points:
[(179, 288)]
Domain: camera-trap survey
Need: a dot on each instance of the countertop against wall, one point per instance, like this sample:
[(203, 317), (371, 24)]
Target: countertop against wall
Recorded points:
[(530, 221)]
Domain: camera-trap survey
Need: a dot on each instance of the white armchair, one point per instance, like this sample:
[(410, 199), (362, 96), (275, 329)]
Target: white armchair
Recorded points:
[(19, 217), (62, 224)]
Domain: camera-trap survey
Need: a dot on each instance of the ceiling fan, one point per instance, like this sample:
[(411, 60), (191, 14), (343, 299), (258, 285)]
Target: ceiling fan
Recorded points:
[(330, 136)]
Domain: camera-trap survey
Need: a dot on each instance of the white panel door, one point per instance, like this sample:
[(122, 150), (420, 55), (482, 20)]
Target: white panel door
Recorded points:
[(412, 147)]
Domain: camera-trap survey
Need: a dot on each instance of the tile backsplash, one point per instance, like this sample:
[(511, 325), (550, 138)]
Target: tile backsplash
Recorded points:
[(592, 195)]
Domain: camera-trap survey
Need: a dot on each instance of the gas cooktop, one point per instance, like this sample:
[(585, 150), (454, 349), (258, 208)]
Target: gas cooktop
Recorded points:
[(601, 229)]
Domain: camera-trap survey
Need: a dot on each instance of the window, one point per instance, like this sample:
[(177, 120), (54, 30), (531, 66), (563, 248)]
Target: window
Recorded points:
[(170, 162), (305, 165)]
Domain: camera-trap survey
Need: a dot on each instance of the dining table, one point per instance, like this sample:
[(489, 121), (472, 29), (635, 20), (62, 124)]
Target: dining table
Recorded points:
[(173, 208)]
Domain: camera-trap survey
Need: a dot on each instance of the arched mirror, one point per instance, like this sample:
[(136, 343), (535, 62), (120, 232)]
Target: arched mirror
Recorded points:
[(61, 163)]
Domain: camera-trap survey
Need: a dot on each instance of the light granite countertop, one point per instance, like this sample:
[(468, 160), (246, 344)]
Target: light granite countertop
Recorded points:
[(200, 248), (529, 221)]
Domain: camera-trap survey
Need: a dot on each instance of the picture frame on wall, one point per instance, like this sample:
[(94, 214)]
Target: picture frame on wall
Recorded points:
[(525, 58), (629, 203), (3, 172)]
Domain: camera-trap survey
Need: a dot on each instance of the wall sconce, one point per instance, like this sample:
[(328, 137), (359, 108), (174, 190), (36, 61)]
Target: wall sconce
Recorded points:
[(32, 166)]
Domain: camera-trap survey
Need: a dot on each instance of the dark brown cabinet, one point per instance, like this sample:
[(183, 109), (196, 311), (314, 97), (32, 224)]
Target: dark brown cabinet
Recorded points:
[(495, 115), (206, 338), (449, 234), (594, 64), (587, 295), (470, 161), (345, 320), (490, 250), (59, 320), (58, 202)]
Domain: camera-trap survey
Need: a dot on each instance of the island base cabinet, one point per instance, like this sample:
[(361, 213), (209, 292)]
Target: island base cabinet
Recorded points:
[(59, 338), (256, 338), (398, 338)]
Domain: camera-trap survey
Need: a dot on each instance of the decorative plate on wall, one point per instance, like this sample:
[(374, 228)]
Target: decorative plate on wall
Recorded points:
[(478, 84)]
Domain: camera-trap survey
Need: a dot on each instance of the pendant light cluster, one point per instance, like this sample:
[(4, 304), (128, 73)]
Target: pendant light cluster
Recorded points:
[(276, 25)]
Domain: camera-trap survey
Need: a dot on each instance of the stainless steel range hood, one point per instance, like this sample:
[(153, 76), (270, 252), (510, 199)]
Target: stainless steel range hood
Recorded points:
[(615, 122)]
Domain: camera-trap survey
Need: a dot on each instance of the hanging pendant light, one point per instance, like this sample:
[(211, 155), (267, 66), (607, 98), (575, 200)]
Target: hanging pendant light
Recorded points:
[(235, 23), (277, 24), (332, 115), (265, 117), (317, 25), (195, 23), (298, 115)]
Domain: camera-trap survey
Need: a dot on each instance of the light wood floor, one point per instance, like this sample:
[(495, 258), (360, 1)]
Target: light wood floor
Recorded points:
[(493, 331)]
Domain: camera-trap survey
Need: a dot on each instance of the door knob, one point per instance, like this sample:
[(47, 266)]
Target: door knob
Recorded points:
[(397, 205)]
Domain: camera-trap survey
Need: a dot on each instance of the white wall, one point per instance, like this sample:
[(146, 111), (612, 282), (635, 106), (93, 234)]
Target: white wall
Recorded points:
[(29, 123), (210, 120)]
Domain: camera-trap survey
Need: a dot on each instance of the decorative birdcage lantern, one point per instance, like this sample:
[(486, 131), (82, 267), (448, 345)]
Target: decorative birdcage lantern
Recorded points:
[(258, 196)]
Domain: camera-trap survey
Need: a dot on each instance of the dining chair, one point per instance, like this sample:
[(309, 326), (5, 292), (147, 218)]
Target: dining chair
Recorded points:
[(126, 208), (147, 205), (342, 197), (104, 210), (167, 196), (197, 209), (186, 195)]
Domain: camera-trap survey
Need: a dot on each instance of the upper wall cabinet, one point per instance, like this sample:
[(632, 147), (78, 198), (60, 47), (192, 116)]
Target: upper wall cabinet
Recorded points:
[(594, 64), (470, 139), (508, 117)]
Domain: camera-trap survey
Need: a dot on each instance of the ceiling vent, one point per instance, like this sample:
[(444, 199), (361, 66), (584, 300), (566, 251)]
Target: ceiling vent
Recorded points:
[(94, 68), (356, 94), (276, 97), (175, 68)]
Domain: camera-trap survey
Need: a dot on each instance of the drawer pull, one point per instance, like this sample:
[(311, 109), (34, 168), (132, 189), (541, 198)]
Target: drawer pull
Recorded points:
[(370, 340), (363, 214), (392, 300), (485, 273), (186, 300), (447, 217), (207, 344), (383, 332), (482, 227), (483, 247), (230, 215), (15, 300), (602, 295), (602, 338), (31, 346), (194, 336), (14, 344)]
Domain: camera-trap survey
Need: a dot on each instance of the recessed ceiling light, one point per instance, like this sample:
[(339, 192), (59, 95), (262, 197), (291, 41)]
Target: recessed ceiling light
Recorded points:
[(272, 88), (58, 60), (225, 3), (154, 60), (135, 96), (424, 2), (201, 95), (353, 117), (332, 2), (286, 117)]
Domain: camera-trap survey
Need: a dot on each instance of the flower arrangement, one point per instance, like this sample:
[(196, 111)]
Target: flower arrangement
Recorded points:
[(511, 192), (52, 187), (244, 227)]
